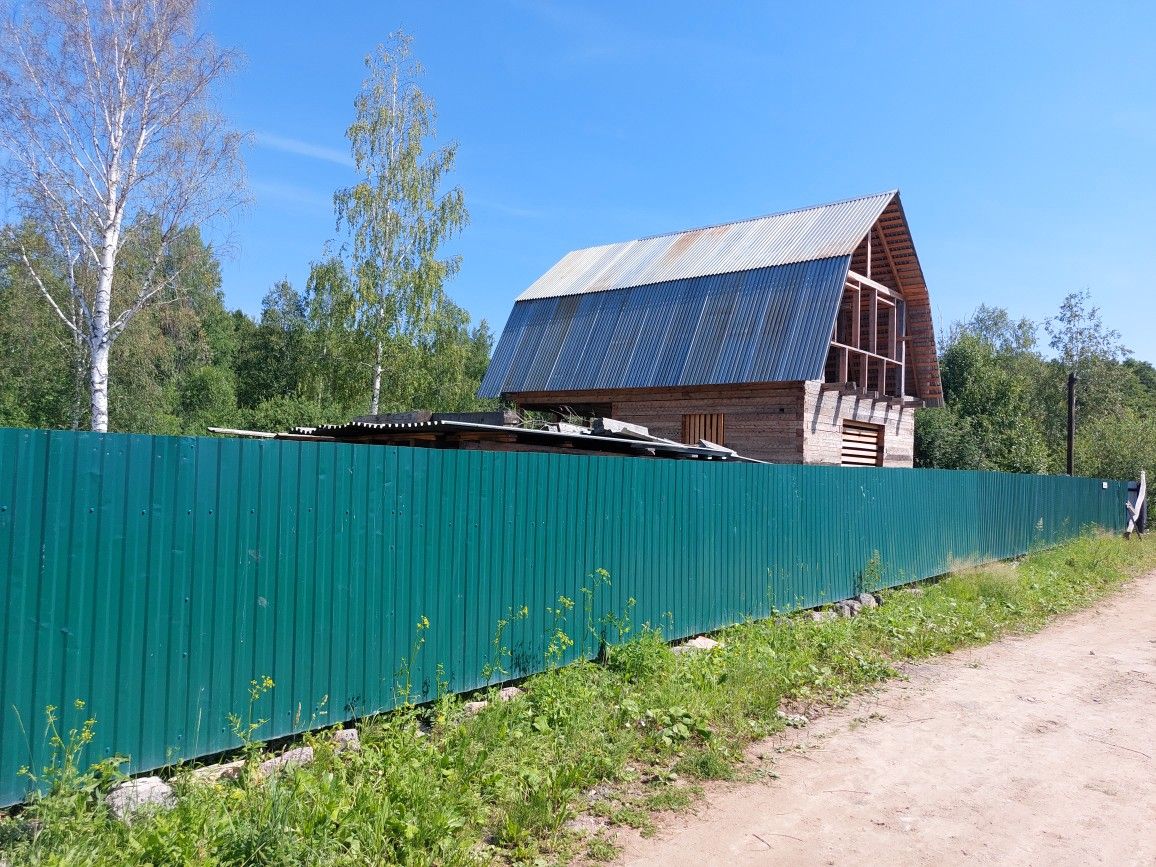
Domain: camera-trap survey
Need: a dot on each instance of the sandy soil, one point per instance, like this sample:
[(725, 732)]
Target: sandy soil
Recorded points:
[(1036, 750)]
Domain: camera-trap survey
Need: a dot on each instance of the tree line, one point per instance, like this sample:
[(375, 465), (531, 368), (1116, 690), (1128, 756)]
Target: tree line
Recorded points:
[(114, 161), (1005, 390), (189, 362)]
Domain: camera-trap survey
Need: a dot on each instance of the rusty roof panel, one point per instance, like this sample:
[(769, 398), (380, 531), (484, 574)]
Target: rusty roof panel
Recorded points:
[(804, 235)]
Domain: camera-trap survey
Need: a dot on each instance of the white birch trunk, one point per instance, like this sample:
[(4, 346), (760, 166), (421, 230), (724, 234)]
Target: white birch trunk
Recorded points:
[(98, 383), (100, 334), (376, 382)]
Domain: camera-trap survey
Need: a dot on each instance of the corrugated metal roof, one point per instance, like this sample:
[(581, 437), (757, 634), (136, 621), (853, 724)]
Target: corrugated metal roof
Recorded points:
[(762, 325), (804, 235)]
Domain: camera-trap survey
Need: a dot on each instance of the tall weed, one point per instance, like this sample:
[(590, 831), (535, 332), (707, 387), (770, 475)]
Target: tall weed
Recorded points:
[(436, 785)]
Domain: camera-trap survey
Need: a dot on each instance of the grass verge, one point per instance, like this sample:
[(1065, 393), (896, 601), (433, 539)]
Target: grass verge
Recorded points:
[(603, 744)]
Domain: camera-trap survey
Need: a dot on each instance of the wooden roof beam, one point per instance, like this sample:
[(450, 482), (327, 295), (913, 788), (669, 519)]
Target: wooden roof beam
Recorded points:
[(887, 255), (866, 282)]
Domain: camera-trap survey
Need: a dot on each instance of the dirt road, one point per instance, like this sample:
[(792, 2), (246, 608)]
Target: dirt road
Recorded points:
[(1037, 750)]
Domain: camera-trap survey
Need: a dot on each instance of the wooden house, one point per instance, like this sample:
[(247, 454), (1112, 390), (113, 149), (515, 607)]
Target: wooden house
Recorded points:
[(801, 337)]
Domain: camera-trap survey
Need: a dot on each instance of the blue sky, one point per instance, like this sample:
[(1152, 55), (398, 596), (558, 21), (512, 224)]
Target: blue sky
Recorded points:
[(1021, 134)]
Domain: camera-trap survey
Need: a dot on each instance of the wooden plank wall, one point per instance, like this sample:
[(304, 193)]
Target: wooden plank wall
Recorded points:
[(762, 421), (781, 422)]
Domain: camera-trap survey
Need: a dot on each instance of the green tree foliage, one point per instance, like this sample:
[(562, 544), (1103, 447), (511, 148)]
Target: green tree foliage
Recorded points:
[(398, 216), (187, 330), (992, 420), (42, 367), (1079, 337), (340, 354), (113, 147), (189, 364), (1007, 405), (206, 397), (271, 357)]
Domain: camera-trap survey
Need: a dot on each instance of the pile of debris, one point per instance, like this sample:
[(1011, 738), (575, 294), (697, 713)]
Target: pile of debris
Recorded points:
[(848, 607), (503, 430)]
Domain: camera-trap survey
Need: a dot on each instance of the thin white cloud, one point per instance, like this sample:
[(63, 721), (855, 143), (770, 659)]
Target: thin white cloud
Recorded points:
[(598, 38), (290, 193), (304, 149), (503, 208)]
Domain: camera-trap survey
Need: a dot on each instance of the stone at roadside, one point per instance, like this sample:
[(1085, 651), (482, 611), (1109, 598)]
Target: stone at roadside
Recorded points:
[(914, 591), (701, 642), (848, 607), (346, 739), (599, 793), (223, 771), (868, 600), (824, 614), (124, 799), (509, 693), (473, 707), (586, 824), (795, 720), (291, 758)]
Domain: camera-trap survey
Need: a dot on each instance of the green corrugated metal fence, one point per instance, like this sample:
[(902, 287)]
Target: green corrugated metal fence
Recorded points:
[(154, 577)]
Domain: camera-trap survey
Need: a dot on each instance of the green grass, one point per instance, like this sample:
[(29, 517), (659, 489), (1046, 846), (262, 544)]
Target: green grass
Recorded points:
[(620, 739)]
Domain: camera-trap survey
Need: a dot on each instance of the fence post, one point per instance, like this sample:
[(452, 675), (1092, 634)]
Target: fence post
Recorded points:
[(1071, 423)]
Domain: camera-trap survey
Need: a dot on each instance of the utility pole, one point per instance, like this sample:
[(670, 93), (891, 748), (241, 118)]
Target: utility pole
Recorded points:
[(1071, 421)]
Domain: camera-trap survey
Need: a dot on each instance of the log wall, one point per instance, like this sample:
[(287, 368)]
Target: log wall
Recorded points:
[(780, 422)]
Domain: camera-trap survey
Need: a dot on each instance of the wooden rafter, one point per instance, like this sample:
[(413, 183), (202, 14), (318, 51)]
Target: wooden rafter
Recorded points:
[(887, 255), (916, 341), (884, 291), (857, 318)]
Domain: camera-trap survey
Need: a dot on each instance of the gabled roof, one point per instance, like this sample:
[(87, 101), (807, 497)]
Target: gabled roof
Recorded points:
[(778, 239), (751, 301)]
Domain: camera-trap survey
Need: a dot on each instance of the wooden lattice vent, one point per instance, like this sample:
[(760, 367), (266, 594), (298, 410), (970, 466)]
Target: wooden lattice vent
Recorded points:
[(709, 426), (862, 444)]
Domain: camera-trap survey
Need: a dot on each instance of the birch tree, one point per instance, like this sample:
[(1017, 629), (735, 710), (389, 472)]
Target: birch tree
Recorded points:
[(110, 141), (397, 215)]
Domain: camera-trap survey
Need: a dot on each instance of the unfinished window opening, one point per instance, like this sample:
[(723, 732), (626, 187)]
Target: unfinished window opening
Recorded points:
[(709, 426), (862, 444), (869, 340)]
